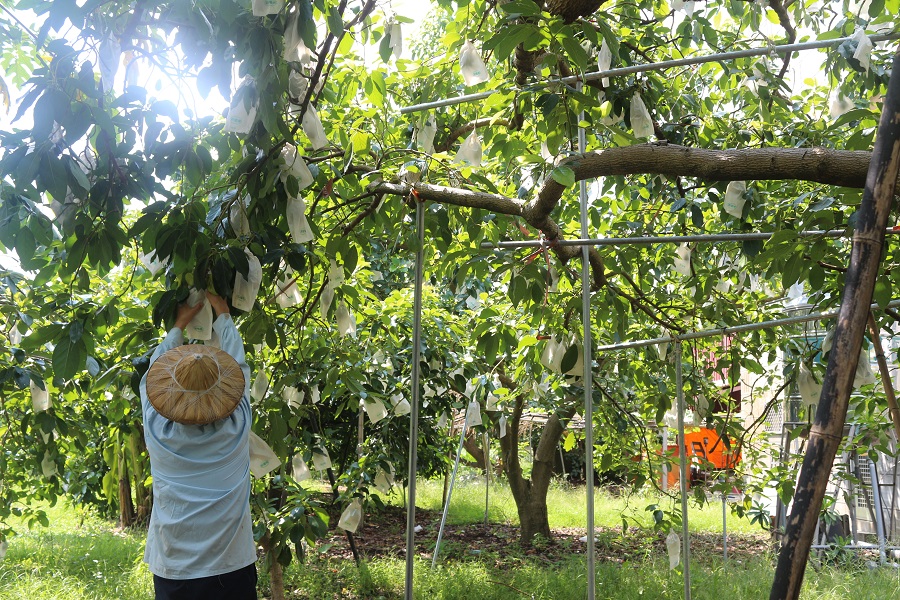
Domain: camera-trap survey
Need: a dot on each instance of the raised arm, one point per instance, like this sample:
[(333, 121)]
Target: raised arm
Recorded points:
[(229, 338)]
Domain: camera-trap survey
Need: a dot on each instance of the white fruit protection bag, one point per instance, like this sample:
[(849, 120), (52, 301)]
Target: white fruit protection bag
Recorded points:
[(40, 398), (374, 408), (200, 327), (471, 66), (241, 115), (246, 288), (262, 8), (734, 198), (469, 152), (298, 225), (301, 471), (351, 516), (641, 123), (312, 127), (240, 222), (262, 459), (321, 459)]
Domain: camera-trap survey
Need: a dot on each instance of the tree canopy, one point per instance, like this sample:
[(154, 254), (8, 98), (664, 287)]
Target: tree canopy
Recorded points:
[(151, 148)]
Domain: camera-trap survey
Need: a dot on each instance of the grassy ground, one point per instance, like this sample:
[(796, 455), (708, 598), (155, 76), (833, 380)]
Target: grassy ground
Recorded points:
[(83, 557), (567, 506), (78, 556)]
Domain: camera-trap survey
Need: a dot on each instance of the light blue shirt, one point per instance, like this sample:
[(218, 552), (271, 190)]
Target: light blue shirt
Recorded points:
[(200, 524)]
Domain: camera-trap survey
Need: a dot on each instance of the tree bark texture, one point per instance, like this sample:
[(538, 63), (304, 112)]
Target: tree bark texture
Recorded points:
[(276, 571), (531, 494), (827, 429), (142, 494)]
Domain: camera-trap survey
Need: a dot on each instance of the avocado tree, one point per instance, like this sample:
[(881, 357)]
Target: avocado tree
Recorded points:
[(151, 148)]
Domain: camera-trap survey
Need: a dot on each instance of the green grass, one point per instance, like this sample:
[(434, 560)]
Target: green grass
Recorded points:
[(650, 579), (568, 507), (78, 556), (83, 557)]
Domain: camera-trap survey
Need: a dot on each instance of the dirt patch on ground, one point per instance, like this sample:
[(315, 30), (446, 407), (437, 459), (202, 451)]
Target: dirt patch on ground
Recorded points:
[(383, 534)]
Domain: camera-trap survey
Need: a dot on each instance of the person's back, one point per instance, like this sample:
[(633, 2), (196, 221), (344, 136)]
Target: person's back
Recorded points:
[(200, 539)]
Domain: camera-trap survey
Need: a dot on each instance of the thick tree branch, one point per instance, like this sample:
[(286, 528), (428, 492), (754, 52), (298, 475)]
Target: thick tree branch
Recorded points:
[(844, 168)]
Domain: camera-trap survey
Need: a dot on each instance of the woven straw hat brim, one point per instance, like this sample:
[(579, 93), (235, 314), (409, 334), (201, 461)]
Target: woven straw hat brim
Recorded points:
[(195, 407)]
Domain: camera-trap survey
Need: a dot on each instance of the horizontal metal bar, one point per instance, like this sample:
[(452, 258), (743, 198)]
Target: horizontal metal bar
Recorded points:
[(673, 239), (693, 335), (850, 547), (657, 66)]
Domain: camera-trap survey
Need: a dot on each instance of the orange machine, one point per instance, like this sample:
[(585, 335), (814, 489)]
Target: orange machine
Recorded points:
[(706, 452)]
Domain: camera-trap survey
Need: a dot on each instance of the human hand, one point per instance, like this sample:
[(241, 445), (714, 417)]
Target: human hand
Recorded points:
[(185, 313), (219, 304)]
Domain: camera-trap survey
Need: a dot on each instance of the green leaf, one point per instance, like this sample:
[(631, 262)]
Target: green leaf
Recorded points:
[(508, 38), (521, 8), (306, 24), (547, 102), (488, 344), (69, 358), (76, 331), (93, 366), (22, 378), (576, 52), (793, 269), (569, 359), (25, 247), (822, 204), (384, 48), (882, 293), (563, 176), (696, 216), (193, 168), (526, 341), (359, 141), (335, 23), (782, 236), (876, 8), (569, 442)]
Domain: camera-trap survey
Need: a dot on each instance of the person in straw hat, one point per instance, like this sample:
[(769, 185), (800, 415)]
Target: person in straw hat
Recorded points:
[(196, 408)]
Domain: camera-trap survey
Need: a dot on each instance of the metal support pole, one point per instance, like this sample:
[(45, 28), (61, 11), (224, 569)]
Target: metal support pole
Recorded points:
[(437, 546), (657, 66), (487, 474), (414, 409), (648, 240), (879, 511), (683, 476), (724, 526), (587, 378)]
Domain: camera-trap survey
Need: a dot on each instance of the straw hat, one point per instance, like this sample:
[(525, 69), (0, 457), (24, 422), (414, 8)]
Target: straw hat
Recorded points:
[(195, 384)]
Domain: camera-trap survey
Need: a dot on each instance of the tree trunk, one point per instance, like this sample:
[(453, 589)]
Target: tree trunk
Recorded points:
[(533, 518), (276, 571), (142, 495), (827, 430), (126, 504), (530, 495)]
